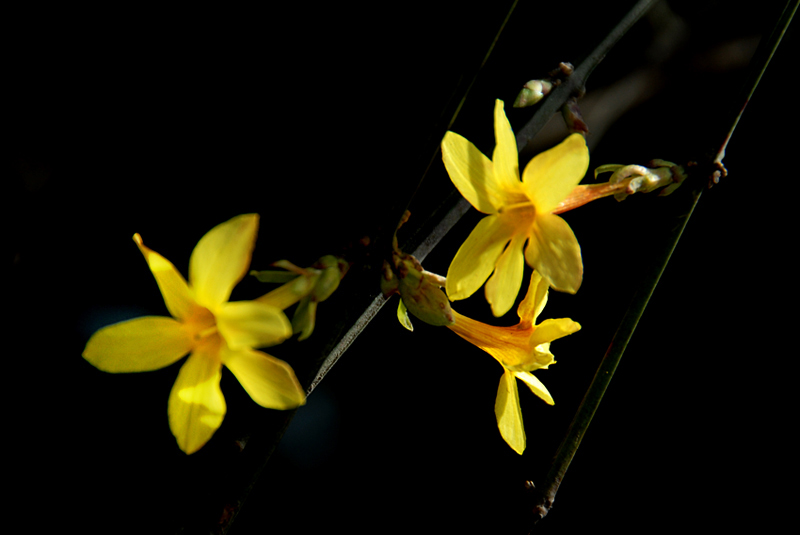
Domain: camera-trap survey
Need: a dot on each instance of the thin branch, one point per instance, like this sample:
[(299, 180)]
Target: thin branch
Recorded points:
[(766, 49), (608, 365), (576, 82), (594, 395)]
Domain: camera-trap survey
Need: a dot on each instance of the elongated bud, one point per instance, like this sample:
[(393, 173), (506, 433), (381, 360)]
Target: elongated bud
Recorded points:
[(532, 92), (308, 286), (572, 116)]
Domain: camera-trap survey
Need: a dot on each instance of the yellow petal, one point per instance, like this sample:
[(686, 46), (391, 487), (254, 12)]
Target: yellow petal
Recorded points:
[(509, 414), (542, 357), (471, 173), (509, 345), (220, 259), (476, 258), (505, 157), (138, 345), (287, 294), (551, 175), (553, 329), (252, 324), (554, 252), (503, 286), (535, 300), (271, 382), (174, 289), (535, 385), (196, 405)]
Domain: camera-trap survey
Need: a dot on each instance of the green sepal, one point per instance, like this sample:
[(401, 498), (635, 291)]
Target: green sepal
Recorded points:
[(402, 316), (273, 276)]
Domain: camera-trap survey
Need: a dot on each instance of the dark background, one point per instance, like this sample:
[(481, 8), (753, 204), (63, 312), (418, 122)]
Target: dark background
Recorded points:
[(321, 119)]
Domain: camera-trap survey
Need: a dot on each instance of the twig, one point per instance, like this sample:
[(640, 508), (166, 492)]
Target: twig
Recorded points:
[(594, 395), (766, 49)]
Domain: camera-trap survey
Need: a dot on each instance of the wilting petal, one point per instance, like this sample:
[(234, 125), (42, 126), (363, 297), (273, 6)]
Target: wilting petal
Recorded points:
[(554, 252), (270, 381), (252, 324), (476, 258), (471, 173), (221, 258), (509, 414), (138, 345), (174, 289), (553, 329), (534, 302), (536, 386), (505, 157), (196, 405), (503, 286), (551, 175)]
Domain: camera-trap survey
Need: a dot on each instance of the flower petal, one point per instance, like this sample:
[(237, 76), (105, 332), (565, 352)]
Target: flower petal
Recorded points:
[(176, 293), (288, 294), (220, 259), (271, 382), (508, 345), (502, 288), (138, 345), (534, 302), (252, 324), (506, 156), (553, 329), (476, 258), (472, 173), (196, 405), (509, 414), (551, 175), (535, 385), (554, 252)]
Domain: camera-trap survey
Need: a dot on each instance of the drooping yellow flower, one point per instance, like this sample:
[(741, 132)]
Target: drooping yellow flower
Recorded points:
[(518, 211), (208, 327), (521, 349)]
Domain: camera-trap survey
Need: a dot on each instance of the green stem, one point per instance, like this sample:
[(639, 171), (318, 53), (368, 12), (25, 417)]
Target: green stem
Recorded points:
[(594, 395), (766, 49), (605, 372)]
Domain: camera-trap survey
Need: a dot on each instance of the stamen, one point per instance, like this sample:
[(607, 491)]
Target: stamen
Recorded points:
[(205, 333)]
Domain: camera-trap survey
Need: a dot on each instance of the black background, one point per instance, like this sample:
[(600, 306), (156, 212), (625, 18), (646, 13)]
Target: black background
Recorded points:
[(167, 122)]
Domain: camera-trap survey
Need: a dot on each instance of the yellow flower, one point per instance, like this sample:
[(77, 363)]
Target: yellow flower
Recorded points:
[(208, 327), (520, 349), (518, 211)]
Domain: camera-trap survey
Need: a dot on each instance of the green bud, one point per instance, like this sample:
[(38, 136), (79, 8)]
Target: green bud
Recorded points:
[(304, 318), (532, 92), (424, 299)]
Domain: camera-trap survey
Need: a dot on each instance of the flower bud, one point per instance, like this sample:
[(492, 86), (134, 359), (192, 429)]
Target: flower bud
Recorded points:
[(532, 92), (424, 299)]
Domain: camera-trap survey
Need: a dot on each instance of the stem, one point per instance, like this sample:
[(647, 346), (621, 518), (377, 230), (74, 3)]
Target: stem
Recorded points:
[(577, 80), (766, 49), (619, 342), (608, 365)]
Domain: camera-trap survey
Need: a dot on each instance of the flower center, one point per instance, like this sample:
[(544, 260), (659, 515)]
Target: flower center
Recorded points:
[(203, 325), (518, 209)]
